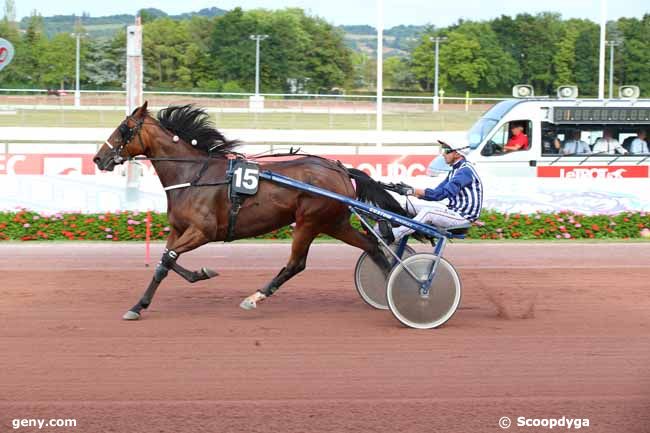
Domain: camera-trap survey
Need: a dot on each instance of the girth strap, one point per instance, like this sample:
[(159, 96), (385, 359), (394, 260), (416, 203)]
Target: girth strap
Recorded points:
[(235, 205), (236, 201)]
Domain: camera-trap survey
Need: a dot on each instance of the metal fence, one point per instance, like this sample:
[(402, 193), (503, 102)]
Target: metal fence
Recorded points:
[(232, 110)]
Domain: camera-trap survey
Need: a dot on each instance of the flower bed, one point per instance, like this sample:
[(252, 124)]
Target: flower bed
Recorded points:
[(130, 226)]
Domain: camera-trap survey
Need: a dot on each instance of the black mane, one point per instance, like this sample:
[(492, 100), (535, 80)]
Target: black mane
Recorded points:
[(193, 123)]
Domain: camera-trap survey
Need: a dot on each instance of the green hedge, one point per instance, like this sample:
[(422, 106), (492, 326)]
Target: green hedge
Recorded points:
[(126, 226)]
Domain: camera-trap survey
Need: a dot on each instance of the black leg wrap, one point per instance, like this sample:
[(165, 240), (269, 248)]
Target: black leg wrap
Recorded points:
[(160, 272), (162, 269), (268, 290), (274, 284)]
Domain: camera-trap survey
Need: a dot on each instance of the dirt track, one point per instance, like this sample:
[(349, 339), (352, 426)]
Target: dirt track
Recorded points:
[(314, 357)]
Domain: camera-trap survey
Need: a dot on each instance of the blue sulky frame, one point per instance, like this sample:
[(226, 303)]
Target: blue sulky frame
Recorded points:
[(358, 208)]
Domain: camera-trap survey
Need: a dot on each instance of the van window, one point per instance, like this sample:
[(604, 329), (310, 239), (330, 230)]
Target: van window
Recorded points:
[(565, 135), (511, 137)]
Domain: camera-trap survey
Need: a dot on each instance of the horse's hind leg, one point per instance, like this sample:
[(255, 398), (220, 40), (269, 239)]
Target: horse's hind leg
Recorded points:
[(351, 236), (302, 239), (176, 245)]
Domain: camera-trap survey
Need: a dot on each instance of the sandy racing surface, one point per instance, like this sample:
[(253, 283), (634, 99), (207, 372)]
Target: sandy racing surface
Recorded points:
[(544, 331)]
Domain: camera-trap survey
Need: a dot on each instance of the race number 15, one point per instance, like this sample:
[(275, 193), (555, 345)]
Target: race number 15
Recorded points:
[(246, 179)]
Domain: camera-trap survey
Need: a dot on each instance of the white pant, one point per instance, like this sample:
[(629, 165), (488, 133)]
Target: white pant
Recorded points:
[(432, 213)]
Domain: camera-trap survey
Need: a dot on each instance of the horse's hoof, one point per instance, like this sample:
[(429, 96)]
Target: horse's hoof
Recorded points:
[(248, 304), (131, 315), (209, 273)]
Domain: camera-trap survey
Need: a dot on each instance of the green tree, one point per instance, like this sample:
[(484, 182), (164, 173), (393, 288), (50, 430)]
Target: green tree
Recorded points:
[(102, 68), (166, 44), (398, 74), (564, 60), (25, 68), (298, 47), (471, 59), (634, 52), (586, 60), (57, 61)]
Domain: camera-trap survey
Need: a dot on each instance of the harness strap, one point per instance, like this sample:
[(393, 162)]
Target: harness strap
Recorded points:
[(236, 201), (180, 185), (235, 206), (198, 176)]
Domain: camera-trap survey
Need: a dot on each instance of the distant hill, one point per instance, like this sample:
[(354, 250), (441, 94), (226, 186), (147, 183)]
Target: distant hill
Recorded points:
[(101, 27), (398, 40)]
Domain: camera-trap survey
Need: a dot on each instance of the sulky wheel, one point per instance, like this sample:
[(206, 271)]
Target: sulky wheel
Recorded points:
[(409, 305), (371, 281)]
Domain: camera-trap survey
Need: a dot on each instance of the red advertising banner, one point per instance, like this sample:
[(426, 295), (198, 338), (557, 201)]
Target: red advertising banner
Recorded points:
[(395, 166), (593, 172)]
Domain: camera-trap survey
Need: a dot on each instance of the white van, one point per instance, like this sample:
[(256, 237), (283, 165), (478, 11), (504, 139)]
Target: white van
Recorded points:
[(547, 174)]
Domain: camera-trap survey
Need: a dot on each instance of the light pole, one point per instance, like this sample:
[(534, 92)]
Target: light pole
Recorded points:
[(436, 102), (601, 49), (77, 93), (257, 39), (611, 45), (78, 34), (379, 109)]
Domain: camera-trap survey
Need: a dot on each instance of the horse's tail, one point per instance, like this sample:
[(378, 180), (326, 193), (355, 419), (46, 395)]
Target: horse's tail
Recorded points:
[(371, 191)]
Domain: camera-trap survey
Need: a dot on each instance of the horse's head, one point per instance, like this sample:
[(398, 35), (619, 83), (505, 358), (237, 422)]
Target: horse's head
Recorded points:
[(125, 142)]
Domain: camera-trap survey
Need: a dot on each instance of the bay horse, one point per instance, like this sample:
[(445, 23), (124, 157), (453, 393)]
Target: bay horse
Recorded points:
[(183, 145)]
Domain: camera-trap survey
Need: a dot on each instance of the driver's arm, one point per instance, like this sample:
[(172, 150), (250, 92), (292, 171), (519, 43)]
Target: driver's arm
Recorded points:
[(449, 188)]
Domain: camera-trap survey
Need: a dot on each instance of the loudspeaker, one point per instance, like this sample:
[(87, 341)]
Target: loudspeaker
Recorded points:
[(567, 92), (523, 91), (629, 92)]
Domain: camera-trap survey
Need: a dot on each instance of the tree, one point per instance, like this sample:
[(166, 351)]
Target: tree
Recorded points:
[(634, 52), (586, 59), (10, 11), (364, 72), (24, 70), (165, 46), (102, 67), (471, 59), (57, 61), (398, 74), (564, 60)]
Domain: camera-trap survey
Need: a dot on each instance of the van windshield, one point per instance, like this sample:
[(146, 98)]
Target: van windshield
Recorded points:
[(489, 120), (479, 131)]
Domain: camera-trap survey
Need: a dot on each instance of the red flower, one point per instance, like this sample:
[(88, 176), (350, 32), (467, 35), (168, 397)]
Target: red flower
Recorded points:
[(595, 227)]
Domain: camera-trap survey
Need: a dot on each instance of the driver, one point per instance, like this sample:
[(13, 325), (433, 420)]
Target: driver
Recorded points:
[(462, 188)]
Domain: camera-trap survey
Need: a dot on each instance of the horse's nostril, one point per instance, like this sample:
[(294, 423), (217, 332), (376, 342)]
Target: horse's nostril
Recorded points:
[(96, 160)]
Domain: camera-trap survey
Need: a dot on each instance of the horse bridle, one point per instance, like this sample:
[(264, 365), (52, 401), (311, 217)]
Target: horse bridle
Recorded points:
[(126, 136)]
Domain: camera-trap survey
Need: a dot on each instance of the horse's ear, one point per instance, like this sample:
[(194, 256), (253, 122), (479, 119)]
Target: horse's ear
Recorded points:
[(140, 111)]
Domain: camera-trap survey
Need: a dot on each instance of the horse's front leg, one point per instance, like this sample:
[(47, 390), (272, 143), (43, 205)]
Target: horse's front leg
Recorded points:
[(176, 245)]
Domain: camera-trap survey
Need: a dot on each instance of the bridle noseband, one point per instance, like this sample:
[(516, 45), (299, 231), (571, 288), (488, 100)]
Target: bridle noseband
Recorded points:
[(126, 136)]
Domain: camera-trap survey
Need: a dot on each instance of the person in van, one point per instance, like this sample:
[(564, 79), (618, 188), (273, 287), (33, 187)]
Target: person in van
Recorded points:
[(639, 144), (551, 145), (608, 144), (518, 138), (574, 145)]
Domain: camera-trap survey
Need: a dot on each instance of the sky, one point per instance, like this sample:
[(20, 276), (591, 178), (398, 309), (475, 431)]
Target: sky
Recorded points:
[(437, 12)]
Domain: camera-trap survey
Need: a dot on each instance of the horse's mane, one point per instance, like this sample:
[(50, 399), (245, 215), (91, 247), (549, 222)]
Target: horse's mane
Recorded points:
[(193, 123)]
